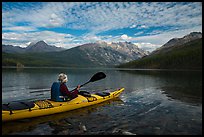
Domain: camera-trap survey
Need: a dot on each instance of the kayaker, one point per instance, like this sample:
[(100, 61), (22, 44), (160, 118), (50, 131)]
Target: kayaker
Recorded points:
[(63, 88)]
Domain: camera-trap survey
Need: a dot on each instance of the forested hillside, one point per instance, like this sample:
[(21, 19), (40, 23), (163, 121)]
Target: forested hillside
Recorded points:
[(186, 56)]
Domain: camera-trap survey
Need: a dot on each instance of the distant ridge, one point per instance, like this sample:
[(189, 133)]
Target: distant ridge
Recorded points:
[(175, 42), (39, 46)]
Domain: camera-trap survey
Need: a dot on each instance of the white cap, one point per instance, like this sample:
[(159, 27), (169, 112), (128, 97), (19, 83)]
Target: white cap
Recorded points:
[(63, 78)]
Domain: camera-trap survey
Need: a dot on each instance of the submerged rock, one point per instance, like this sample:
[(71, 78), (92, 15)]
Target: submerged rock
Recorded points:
[(82, 127), (127, 133), (123, 132), (64, 132)]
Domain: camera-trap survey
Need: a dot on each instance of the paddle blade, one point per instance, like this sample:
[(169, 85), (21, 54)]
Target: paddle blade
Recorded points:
[(97, 76)]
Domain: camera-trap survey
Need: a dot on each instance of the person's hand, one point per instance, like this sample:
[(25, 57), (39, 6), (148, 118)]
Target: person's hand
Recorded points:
[(78, 87)]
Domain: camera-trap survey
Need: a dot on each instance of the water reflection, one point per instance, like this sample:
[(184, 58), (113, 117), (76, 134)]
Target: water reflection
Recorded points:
[(184, 94), (180, 85)]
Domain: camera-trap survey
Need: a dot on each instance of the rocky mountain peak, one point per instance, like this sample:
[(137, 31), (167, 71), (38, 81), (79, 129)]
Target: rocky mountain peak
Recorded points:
[(41, 46), (193, 35), (183, 40), (37, 44), (41, 43), (111, 53), (178, 42), (101, 42)]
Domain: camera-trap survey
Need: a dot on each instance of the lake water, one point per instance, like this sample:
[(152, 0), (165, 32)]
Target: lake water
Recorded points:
[(155, 102)]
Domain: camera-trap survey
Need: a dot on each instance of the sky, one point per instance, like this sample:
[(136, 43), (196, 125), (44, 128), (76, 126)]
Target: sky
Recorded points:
[(68, 24)]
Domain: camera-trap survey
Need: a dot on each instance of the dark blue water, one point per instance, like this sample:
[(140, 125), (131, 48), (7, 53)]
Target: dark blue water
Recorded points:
[(155, 102)]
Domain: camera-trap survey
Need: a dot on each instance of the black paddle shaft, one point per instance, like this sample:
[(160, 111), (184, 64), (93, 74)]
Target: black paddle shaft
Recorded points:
[(95, 77)]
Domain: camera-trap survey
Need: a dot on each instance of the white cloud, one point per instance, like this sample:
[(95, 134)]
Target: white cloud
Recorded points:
[(162, 38), (147, 46), (125, 37), (98, 17), (19, 28), (138, 33), (133, 26), (142, 27)]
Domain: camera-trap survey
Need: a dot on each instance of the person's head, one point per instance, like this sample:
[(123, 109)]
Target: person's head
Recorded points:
[(63, 78)]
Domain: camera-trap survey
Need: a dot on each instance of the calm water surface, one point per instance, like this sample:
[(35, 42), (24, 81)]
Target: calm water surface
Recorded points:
[(155, 102)]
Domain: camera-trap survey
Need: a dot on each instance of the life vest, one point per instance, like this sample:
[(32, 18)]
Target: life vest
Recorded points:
[(56, 95)]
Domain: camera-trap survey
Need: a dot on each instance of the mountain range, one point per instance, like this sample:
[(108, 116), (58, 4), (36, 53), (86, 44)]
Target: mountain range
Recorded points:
[(90, 54), (39, 46)]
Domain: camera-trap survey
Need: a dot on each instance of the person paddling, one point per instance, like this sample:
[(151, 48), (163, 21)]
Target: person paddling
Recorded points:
[(63, 88)]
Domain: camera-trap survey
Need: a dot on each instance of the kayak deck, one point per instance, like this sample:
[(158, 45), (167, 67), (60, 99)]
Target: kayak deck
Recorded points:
[(48, 107)]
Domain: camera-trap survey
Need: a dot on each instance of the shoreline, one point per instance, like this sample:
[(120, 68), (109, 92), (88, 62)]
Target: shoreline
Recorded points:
[(106, 68)]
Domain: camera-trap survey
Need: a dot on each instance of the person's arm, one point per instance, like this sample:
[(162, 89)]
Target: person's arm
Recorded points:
[(78, 87), (76, 91), (64, 90)]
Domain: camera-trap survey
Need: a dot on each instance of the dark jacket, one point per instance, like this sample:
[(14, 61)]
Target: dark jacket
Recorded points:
[(65, 92)]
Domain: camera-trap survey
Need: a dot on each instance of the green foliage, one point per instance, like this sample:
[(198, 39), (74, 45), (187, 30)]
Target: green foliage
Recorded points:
[(57, 59), (188, 56), (12, 62), (9, 62)]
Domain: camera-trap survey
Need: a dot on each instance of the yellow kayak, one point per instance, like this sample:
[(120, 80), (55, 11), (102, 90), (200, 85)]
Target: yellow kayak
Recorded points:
[(22, 110)]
